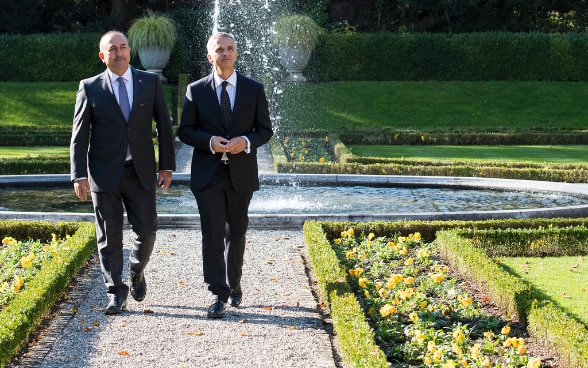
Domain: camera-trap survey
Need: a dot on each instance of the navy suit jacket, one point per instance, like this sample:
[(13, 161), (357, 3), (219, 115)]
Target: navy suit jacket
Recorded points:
[(101, 134), (202, 119)]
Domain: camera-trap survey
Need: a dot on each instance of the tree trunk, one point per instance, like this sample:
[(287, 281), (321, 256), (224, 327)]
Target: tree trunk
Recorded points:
[(122, 11)]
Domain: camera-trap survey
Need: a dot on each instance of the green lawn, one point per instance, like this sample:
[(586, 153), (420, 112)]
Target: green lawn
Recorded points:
[(564, 279), (49, 103), (536, 154), (432, 105)]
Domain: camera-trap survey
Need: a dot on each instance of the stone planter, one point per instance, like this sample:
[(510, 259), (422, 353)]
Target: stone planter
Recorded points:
[(155, 59), (295, 59)]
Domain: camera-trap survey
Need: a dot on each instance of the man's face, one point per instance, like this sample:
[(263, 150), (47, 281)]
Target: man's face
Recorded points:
[(115, 52), (223, 54)]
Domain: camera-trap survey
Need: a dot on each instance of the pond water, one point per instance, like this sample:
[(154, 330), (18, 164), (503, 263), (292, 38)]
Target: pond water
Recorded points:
[(311, 199)]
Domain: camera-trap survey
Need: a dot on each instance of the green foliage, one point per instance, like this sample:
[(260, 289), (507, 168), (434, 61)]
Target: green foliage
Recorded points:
[(50, 58), (151, 30), (435, 56), (356, 337), (24, 313), (34, 165), (36, 135), (296, 30), (431, 168)]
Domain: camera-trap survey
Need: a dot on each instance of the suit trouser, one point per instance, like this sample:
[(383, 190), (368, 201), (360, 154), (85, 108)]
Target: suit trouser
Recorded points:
[(224, 220), (141, 213)]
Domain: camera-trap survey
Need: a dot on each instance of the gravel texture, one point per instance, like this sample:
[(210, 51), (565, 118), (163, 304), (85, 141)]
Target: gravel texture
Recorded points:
[(277, 325)]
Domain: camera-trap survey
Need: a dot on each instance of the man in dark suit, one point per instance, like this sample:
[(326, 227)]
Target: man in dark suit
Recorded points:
[(112, 156), (225, 118)]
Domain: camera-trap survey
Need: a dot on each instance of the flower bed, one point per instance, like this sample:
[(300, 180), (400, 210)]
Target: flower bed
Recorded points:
[(418, 311), (35, 271), (394, 295)]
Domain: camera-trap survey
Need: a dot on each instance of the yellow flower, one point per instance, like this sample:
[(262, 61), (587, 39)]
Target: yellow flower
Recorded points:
[(458, 335), (413, 317), (522, 349), (475, 350), (449, 364), (438, 354), (534, 363), (362, 282), (27, 261), (18, 283), (438, 277), (8, 240), (403, 252), (391, 244), (350, 232), (387, 310), (423, 253), (419, 336), (393, 280), (416, 236), (464, 363), (431, 346), (366, 293), (379, 285), (371, 310), (383, 293), (409, 280), (371, 236), (326, 138), (505, 330), (322, 160), (338, 241), (409, 261), (489, 335), (466, 301)]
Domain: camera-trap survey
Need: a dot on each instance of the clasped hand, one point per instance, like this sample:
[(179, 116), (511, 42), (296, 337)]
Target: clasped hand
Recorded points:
[(233, 146)]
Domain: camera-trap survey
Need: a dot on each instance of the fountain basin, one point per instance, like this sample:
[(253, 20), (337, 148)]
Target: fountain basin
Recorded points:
[(576, 196)]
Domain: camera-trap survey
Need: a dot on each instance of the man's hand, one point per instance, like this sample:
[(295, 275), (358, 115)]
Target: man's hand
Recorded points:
[(82, 188), (236, 145), (164, 179)]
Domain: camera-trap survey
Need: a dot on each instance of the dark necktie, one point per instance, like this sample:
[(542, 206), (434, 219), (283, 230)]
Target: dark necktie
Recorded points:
[(123, 98), (226, 105)]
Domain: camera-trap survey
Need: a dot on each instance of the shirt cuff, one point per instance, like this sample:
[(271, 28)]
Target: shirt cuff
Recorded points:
[(248, 148), (210, 145)]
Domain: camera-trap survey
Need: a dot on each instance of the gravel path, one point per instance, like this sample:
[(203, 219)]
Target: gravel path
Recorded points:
[(278, 324)]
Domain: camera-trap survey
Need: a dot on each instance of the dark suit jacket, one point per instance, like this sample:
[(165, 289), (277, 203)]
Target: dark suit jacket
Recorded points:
[(202, 119), (100, 133)]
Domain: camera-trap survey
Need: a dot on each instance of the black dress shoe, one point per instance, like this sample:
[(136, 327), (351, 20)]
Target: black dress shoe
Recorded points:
[(235, 299), (115, 305), (138, 287), (216, 310)]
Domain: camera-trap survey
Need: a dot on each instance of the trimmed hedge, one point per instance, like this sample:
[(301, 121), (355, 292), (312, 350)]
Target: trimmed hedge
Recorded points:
[(35, 135), (362, 56), (466, 56), (34, 165), (481, 170), (49, 57), (25, 312)]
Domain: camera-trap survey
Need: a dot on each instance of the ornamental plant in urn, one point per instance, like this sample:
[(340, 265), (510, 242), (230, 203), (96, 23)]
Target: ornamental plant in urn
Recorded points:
[(153, 37), (296, 36)]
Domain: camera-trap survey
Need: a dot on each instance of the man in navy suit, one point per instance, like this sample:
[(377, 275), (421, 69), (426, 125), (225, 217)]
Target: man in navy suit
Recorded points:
[(225, 118), (113, 157)]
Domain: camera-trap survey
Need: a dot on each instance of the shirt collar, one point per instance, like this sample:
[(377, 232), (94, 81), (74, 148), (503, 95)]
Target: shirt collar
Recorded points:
[(232, 79), (128, 75)]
